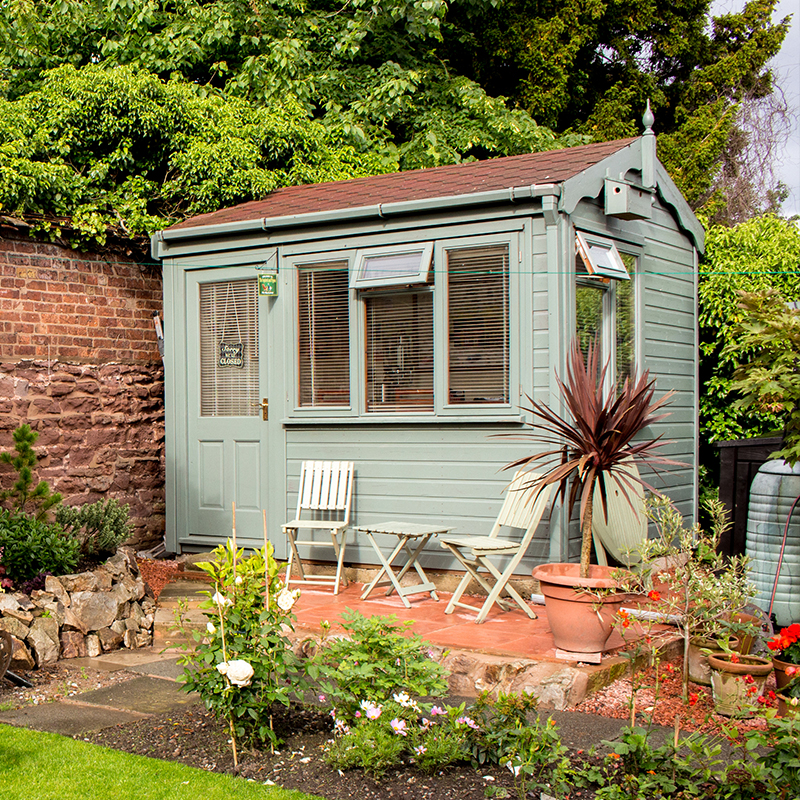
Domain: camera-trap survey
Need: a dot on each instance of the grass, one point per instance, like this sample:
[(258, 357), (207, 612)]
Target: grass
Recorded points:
[(46, 766)]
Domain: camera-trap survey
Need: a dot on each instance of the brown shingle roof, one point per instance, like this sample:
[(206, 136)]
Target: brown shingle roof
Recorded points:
[(552, 166)]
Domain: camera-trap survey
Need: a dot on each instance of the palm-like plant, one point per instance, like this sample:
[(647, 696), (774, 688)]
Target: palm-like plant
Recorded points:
[(597, 440)]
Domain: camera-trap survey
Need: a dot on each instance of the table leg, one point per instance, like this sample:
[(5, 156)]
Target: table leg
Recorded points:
[(412, 562), (386, 569)]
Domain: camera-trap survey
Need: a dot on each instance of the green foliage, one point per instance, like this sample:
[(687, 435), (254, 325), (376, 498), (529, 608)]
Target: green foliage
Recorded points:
[(754, 256), (99, 527), (245, 626), (32, 546), (767, 340), (27, 498), (375, 659), (590, 66), (111, 147)]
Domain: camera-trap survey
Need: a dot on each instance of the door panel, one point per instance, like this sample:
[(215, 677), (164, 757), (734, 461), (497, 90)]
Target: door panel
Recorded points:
[(226, 381)]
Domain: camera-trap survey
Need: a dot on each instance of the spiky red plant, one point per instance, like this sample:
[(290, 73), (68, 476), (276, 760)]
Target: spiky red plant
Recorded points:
[(595, 439)]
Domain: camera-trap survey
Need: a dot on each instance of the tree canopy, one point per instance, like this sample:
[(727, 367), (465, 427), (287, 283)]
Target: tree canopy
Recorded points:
[(404, 83)]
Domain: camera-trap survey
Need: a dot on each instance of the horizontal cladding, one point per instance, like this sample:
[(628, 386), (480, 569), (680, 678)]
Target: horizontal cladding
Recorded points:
[(449, 477)]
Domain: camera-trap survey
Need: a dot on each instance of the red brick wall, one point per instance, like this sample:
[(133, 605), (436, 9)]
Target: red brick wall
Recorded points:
[(79, 363)]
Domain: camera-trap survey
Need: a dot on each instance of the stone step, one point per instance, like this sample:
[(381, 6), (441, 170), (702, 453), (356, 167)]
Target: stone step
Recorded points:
[(166, 632)]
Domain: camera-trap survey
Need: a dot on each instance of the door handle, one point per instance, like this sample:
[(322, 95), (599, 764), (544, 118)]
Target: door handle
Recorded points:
[(264, 406)]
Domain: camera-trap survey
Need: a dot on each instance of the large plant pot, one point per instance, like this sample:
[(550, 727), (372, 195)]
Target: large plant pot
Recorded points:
[(580, 619), (736, 685), (699, 668), (788, 706), (780, 667)]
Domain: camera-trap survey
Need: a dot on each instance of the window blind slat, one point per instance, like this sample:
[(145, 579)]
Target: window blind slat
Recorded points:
[(478, 325), (323, 335)]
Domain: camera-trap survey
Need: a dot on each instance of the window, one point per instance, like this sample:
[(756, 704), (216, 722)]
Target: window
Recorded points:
[(601, 258), (477, 325), (399, 336), (229, 349), (605, 313), (393, 336), (323, 335), (392, 266)]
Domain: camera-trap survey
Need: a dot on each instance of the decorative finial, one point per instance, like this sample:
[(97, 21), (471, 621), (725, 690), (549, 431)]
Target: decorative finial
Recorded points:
[(648, 119)]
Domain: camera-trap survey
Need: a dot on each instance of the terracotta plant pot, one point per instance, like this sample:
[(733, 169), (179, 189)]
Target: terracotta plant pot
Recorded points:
[(580, 620), (781, 678), (732, 682), (788, 706), (699, 669)]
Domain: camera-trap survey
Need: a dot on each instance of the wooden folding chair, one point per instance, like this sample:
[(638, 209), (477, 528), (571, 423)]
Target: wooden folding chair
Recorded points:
[(522, 509), (323, 504)]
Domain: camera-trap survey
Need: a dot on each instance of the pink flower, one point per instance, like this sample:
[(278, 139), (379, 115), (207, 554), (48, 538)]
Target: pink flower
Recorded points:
[(399, 726), (437, 711)]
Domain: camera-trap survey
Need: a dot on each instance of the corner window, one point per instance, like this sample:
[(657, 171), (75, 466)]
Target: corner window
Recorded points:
[(600, 257), (394, 266), (323, 335), (605, 312)]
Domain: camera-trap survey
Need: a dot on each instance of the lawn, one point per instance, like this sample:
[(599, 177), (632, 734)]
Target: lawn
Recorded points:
[(46, 766)]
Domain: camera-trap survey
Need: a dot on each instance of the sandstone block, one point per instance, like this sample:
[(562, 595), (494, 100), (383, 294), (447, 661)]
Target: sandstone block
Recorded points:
[(56, 588), (129, 639), (21, 657), (109, 639), (119, 626), (83, 582), (91, 611), (23, 601), (44, 641), (93, 647), (104, 579), (73, 644), (14, 626), (26, 617), (8, 601)]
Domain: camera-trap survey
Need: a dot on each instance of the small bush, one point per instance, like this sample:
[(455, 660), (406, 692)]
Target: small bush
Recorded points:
[(99, 527), (373, 662), (31, 546), (25, 497)]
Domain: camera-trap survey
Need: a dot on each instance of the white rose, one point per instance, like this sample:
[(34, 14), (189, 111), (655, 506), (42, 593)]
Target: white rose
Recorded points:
[(210, 628), (239, 580), (286, 600), (239, 672), (221, 600)]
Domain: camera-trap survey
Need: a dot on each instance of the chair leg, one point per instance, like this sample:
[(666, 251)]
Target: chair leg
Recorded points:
[(338, 547), (294, 558), (502, 583), (458, 592)]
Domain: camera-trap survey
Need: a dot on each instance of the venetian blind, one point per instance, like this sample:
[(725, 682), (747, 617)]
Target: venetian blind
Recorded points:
[(399, 330), (229, 349), (478, 325), (323, 335)]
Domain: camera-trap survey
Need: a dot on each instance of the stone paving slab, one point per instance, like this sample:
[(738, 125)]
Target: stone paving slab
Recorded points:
[(124, 659), (168, 668), (68, 719), (145, 694)]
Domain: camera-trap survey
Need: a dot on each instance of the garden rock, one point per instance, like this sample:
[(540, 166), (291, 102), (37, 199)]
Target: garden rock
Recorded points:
[(80, 615)]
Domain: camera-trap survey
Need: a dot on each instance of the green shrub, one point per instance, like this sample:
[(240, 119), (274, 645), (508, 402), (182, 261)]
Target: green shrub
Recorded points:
[(99, 527), (374, 662), (32, 546)]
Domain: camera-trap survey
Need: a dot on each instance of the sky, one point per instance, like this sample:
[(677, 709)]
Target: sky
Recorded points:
[(786, 66)]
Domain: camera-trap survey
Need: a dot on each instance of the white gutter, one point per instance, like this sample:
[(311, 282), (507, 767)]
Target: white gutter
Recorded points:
[(161, 240)]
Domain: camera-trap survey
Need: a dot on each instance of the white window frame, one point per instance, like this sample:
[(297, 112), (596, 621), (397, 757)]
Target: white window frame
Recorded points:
[(592, 248), (420, 275)]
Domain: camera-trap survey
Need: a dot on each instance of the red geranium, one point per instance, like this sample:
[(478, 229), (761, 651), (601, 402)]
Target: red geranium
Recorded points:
[(785, 645)]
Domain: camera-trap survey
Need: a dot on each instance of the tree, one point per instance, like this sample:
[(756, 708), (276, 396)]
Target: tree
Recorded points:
[(755, 256), (590, 66)]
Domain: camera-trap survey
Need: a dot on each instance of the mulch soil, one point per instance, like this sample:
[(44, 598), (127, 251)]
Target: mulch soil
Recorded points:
[(192, 736)]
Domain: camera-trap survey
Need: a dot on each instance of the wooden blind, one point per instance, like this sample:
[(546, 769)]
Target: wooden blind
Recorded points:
[(478, 325), (323, 335), (399, 331), (229, 349)]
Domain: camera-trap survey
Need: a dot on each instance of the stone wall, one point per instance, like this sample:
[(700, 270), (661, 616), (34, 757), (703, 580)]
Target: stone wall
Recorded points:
[(79, 363), (80, 615)]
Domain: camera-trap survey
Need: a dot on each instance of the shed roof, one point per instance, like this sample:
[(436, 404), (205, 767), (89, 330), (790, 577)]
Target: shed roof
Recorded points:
[(551, 166)]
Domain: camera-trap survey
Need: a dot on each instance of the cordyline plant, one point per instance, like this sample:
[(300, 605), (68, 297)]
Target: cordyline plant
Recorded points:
[(596, 442)]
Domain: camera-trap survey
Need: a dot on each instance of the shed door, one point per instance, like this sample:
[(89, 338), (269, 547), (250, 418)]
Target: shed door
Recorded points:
[(227, 385)]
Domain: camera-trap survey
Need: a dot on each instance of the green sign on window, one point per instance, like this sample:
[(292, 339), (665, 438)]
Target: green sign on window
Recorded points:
[(268, 284)]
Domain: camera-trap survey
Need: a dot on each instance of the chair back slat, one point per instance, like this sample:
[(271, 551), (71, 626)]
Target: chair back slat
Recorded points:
[(523, 507), (325, 488)]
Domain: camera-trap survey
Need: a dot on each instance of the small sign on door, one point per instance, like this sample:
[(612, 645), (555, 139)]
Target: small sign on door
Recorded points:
[(268, 284), (231, 355)]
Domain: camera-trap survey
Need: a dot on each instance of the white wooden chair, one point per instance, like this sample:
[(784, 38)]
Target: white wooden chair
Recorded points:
[(522, 509), (323, 504), (623, 532)]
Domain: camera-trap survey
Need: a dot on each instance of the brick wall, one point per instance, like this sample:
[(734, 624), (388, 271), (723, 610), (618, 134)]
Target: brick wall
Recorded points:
[(79, 363)]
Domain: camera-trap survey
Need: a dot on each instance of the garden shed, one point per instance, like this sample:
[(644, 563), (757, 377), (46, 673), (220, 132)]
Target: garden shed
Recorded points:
[(399, 322)]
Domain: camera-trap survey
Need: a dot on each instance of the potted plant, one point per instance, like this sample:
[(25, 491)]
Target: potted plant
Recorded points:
[(585, 451), (788, 695), (785, 647), (737, 681)]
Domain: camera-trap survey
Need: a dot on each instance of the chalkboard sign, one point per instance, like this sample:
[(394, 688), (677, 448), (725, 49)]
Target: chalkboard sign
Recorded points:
[(231, 355)]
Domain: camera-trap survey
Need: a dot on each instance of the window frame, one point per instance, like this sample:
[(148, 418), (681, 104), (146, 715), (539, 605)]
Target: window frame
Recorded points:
[(586, 242), (437, 285), (421, 276)]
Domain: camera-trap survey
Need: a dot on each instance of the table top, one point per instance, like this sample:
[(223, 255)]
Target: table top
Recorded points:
[(402, 528)]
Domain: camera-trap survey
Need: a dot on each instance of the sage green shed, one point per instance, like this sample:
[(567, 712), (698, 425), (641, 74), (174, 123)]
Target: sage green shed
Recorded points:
[(400, 321)]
